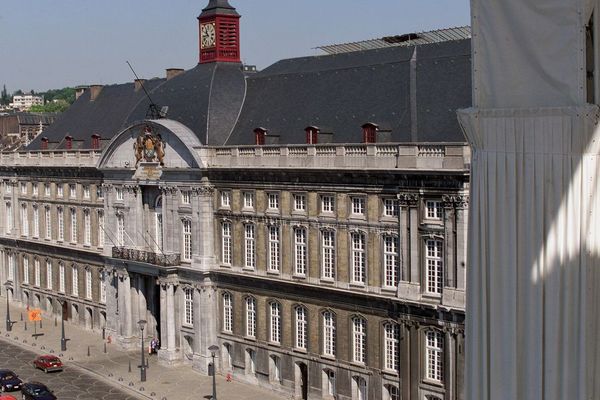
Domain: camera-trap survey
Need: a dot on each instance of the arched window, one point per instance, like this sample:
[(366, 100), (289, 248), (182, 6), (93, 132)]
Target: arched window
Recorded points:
[(188, 306), (250, 317), (435, 266), (359, 388), (300, 259), (227, 313), (434, 344), (328, 333), (359, 258), (359, 339), (226, 242), (249, 246), (390, 261), (301, 327), (158, 224), (392, 392), (275, 331), (391, 345)]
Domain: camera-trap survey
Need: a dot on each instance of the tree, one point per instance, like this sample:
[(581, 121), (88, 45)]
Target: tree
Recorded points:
[(4, 99), (53, 107)]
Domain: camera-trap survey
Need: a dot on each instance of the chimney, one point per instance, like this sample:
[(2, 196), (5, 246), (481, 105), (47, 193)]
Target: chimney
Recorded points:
[(95, 141), (259, 136), (79, 90), (69, 142), (95, 91), (312, 134), (173, 72), (138, 83), (44, 145), (370, 132)]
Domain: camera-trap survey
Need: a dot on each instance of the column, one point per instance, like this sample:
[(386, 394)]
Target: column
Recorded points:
[(126, 312), (142, 305), (462, 218), (449, 242), (152, 311), (450, 364), (204, 257), (163, 316), (111, 281), (135, 301), (415, 242), (121, 304), (170, 303)]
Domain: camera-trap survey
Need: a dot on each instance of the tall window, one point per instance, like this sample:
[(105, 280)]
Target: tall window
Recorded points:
[(359, 258), (24, 220), (359, 337), (59, 190), (37, 273), (248, 199), (73, 225), (86, 191), (328, 254), (358, 206), (48, 222), (435, 354), (328, 334), (23, 188), (72, 191), (120, 230), (390, 207), (299, 202), (61, 223), (49, 275), (226, 242), (435, 266), (250, 317), (434, 209), (158, 225), (75, 281), (8, 187), (249, 246), (390, 261), (300, 251), (187, 240), (393, 392), (227, 313), (327, 204), (391, 337), (275, 309), (273, 201), (88, 284), (225, 198), (9, 218), (87, 228), (100, 228), (34, 188), (301, 327), (61, 277), (26, 271), (47, 189), (189, 306), (274, 248), (11, 267), (103, 288), (36, 221), (185, 197), (119, 193)]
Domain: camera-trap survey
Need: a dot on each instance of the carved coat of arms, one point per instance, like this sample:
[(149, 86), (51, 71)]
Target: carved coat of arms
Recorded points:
[(149, 147)]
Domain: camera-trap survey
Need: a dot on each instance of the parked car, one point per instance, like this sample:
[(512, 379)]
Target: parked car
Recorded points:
[(7, 397), (36, 391), (9, 381), (48, 363)]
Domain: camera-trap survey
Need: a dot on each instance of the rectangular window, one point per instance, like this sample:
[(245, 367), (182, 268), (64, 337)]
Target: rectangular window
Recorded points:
[(226, 243), (59, 190), (359, 335), (37, 273), (88, 284), (100, 228), (390, 208), (48, 222), (299, 202), (24, 220), (11, 267), (26, 271), (225, 198), (103, 289), (86, 191), (189, 307), (47, 189), (327, 204), (435, 266), (248, 200), (185, 197), (61, 224), (23, 188), (359, 258), (434, 209), (391, 333), (328, 254), (34, 188), (328, 334), (250, 317), (49, 275), (87, 228), (273, 201), (435, 356), (227, 313), (75, 281), (249, 246), (187, 240), (99, 192), (120, 230), (73, 225), (275, 310), (274, 249), (61, 278), (119, 192), (300, 259), (72, 191), (9, 218), (301, 328), (8, 187), (358, 206), (390, 261), (36, 222)]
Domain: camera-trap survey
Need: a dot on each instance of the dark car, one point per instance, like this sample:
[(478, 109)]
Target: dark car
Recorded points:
[(36, 391), (48, 363), (9, 381)]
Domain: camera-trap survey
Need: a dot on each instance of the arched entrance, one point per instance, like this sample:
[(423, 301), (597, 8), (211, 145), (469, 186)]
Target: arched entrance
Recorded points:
[(89, 318), (301, 380), (49, 306)]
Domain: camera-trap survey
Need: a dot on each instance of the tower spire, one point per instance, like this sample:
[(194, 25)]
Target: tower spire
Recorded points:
[(219, 33)]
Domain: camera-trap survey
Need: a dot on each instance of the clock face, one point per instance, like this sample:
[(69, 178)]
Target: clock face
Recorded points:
[(208, 35)]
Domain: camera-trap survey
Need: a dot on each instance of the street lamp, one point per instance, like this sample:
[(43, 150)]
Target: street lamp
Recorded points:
[(213, 349), (141, 324), (63, 339), (8, 321)]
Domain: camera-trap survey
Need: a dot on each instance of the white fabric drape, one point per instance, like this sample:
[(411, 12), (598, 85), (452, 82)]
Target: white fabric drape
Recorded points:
[(534, 254)]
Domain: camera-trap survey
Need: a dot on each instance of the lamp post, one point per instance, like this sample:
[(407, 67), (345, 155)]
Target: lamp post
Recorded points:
[(8, 321), (63, 339), (213, 349), (141, 324)]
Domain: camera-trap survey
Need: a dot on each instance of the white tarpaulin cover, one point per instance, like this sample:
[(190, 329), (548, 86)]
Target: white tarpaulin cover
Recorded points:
[(527, 53)]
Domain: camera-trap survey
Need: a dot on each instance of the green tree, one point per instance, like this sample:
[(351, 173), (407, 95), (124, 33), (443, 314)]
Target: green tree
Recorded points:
[(53, 107), (4, 99)]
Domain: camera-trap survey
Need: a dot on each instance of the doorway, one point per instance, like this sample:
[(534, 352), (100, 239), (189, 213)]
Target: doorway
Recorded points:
[(301, 381)]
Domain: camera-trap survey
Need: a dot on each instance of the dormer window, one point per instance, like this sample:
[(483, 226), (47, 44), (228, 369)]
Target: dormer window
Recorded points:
[(69, 142), (95, 141), (259, 136), (370, 132), (312, 134), (44, 145)]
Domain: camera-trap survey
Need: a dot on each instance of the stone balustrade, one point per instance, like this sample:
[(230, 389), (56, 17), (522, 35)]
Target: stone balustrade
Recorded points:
[(163, 260), (51, 158)]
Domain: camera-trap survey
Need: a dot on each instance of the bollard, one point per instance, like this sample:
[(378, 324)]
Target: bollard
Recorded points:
[(103, 333), (25, 325), (21, 316), (104, 347), (129, 370), (41, 324), (88, 351), (147, 362)]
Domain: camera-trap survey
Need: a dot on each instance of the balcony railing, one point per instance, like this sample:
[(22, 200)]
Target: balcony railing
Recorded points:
[(160, 259)]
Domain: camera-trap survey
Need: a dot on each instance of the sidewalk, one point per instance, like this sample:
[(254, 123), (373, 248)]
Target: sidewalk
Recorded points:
[(163, 383)]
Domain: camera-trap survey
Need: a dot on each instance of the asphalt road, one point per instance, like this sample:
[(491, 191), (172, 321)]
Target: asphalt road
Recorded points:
[(70, 384)]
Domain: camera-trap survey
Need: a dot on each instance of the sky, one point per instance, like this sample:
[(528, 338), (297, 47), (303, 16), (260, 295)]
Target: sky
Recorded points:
[(49, 44)]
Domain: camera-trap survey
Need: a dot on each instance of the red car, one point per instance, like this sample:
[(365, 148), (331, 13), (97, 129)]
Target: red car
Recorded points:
[(48, 363), (7, 397)]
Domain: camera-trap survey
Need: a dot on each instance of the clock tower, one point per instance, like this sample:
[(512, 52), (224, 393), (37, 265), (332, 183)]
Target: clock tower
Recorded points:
[(219, 33)]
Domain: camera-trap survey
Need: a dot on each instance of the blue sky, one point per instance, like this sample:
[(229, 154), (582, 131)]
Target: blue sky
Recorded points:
[(47, 44)]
